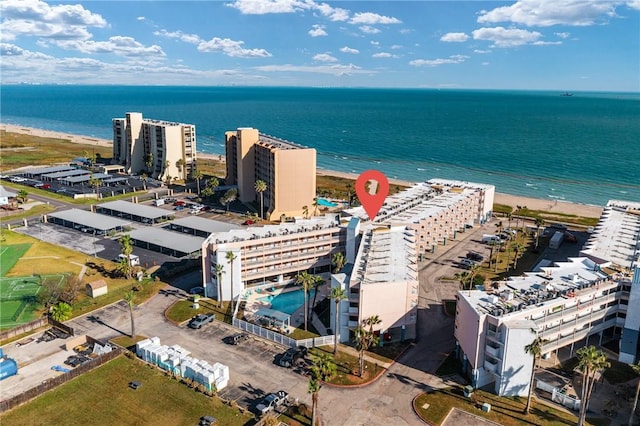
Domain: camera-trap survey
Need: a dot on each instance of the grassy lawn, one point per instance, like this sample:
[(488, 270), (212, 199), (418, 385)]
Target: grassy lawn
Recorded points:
[(44, 150), (505, 411), (37, 210), (9, 256), (45, 258), (126, 341), (182, 310), (389, 352), (547, 216), (104, 394), (347, 367)]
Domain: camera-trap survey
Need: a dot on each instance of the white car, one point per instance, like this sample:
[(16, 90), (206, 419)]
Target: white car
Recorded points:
[(271, 401)]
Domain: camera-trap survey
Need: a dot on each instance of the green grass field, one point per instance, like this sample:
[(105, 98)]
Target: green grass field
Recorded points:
[(103, 396), (9, 256), (18, 303)]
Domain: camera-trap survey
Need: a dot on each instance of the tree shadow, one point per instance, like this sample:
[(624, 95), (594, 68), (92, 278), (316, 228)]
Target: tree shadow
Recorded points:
[(96, 320)]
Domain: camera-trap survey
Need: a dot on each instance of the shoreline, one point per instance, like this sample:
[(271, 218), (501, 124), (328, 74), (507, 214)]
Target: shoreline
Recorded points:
[(553, 206)]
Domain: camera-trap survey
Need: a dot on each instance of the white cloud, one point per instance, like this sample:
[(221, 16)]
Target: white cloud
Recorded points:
[(187, 38), (369, 18), (396, 47), (347, 49), (503, 37), (263, 7), (324, 57), (140, 18), (37, 18), (481, 51), (333, 13), (367, 29), (117, 45), (455, 37), (485, 63), (336, 69), (546, 43), (453, 59), (383, 55), (317, 31), (545, 13), (565, 35), (375, 43), (231, 48)]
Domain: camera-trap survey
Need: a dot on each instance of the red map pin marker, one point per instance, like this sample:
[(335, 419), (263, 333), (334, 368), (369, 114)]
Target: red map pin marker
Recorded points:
[(372, 202)]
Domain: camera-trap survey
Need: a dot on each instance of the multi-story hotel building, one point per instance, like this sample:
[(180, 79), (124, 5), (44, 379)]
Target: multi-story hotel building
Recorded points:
[(158, 148), (288, 169), (436, 209), (270, 254), (584, 300), (382, 281)]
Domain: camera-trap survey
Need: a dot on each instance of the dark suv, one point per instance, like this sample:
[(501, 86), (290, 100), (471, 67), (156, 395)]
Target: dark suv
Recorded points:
[(475, 256), (292, 356)]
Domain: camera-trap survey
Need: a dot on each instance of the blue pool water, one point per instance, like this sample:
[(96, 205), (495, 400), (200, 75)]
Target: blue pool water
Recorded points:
[(288, 302), (325, 203)]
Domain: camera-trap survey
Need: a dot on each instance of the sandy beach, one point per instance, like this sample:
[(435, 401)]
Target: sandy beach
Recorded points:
[(500, 198)]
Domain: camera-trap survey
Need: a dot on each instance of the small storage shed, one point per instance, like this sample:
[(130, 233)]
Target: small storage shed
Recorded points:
[(97, 288)]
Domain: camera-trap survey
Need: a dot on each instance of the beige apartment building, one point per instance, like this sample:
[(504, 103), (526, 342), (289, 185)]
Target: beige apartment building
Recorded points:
[(288, 169), (159, 148), (270, 254)]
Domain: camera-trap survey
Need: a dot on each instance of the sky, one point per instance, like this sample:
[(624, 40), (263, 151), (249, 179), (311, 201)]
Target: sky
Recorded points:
[(567, 45)]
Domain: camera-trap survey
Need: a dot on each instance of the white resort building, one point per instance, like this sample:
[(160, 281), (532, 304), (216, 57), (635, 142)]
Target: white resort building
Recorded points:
[(584, 300), (381, 274)]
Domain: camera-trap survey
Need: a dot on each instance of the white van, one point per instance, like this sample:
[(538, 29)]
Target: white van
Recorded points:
[(158, 202), (133, 259)]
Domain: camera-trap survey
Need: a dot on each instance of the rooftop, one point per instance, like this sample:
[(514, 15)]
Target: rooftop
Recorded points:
[(44, 170), (135, 209), (92, 220), (273, 142), (206, 225), (422, 200), (548, 284), (172, 240), (616, 238), (386, 254), (328, 221), (66, 173)]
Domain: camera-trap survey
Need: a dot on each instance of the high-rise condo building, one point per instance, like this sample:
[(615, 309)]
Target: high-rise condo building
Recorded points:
[(288, 169), (159, 148)]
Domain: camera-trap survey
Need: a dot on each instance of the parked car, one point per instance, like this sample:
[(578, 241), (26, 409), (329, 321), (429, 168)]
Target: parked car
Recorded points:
[(248, 222), (196, 290), (178, 208), (467, 263), (272, 401), (292, 356), (475, 256), (237, 338), (199, 320), (207, 421)]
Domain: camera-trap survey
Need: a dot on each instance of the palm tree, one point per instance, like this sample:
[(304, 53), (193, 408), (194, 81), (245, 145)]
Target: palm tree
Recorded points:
[(305, 280), (180, 165), (167, 179), (305, 212), (260, 186), (539, 223), (143, 178), (464, 278), (231, 256), (591, 361), (315, 284), (338, 261), (349, 187), (94, 182), (323, 369), (219, 270), (229, 197), (149, 162), (535, 350), (517, 249), (213, 182), (315, 206), (371, 321), (363, 339), (129, 297), (207, 192), (509, 217), (61, 312), (337, 294), (22, 195), (197, 175), (636, 369), (126, 245)]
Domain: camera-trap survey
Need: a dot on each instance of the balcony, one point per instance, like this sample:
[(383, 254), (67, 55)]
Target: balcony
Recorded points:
[(491, 366), (493, 351), (494, 335)]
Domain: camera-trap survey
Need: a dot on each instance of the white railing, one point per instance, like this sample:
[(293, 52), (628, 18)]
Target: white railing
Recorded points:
[(281, 338)]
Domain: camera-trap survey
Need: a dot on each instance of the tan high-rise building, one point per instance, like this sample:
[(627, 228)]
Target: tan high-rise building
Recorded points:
[(158, 148), (288, 169)]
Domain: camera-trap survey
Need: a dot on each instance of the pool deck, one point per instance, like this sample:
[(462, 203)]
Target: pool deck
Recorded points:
[(253, 304)]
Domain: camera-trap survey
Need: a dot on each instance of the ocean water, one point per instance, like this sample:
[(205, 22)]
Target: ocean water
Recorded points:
[(582, 148)]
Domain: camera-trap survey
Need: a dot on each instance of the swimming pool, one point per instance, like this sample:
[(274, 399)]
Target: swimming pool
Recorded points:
[(288, 302), (326, 203)]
